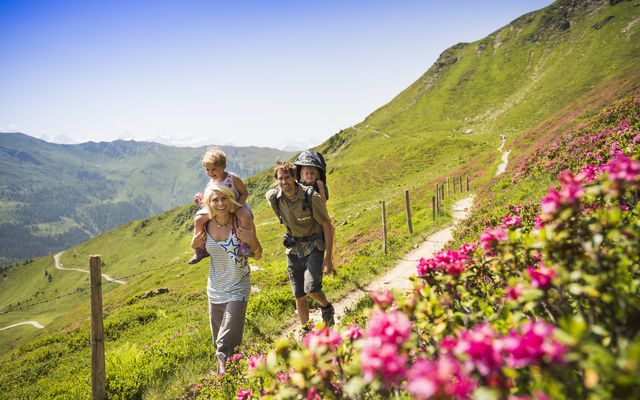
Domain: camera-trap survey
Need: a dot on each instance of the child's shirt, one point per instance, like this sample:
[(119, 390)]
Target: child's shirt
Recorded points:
[(228, 182)]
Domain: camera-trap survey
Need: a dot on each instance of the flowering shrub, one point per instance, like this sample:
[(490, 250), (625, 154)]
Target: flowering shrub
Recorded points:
[(545, 304)]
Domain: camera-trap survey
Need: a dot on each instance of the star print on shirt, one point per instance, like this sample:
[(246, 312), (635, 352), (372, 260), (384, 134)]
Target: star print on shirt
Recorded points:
[(231, 247)]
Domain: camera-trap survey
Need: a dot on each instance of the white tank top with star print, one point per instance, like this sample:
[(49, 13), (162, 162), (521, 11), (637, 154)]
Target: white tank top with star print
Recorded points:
[(228, 273)]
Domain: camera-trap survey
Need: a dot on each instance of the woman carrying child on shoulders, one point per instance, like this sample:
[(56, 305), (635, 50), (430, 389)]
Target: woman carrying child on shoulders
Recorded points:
[(228, 285)]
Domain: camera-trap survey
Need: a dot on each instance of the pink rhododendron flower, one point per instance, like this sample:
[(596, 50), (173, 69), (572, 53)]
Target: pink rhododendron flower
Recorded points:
[(235, 357), (514, 292), (491, 237), (480, 349), (324, 337), (538, 223), (312, 394), (589, 172), (513, 221), (450, 261), (383, 299), (382, 362), (623, 168), (430, 379), (389, 327), (468, 248), (282, 377), (352, 332), (533, 344), (256, 362), (541, 276), (244, 394)]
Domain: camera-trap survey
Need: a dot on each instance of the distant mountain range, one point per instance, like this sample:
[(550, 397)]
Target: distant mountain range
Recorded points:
[(53, 196)]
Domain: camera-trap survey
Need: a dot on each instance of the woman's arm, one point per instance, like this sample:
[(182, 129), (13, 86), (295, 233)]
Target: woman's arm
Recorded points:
[(246, 232)]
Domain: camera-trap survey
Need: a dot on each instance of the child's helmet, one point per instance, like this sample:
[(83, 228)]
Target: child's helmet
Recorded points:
[(311, 158)]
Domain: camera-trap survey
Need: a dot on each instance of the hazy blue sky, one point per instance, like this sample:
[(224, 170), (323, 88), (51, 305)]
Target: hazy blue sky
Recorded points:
[(243, 72)]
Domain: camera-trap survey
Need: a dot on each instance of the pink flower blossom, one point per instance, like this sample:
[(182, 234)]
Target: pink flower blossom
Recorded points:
[(244, 394), (381, 354), (623, 168), (541, 276), (468, 248), (480, 349), (513, 221), (282, 377), (256, 362), (383, 299), (533, 344), (491, 237), (389, 327), (429, 379), (352, 332), (382, 362), (324, 337), (312, 394), (538, 223), (514, 292)]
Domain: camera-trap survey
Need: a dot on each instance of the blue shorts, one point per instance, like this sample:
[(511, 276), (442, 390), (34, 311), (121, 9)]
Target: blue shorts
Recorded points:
[(305, 273)]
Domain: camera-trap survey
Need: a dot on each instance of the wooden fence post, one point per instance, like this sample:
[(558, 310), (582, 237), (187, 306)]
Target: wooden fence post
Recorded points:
[(453, 180), (447, 187), (384, 228), (98, 375), (408, 207), (467, 183), (433, 206), (461, 190), (437, 198)]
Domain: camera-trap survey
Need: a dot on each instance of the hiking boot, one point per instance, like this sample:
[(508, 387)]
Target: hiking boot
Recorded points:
[(327, 314), (199, 255)]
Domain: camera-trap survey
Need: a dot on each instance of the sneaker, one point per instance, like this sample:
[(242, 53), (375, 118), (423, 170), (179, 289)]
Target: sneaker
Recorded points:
[(199, 255), (244, 250), (327, 314)]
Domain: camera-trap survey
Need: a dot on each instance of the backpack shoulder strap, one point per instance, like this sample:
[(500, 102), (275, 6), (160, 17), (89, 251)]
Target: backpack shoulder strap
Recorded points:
[(273, 200), (308, 194)]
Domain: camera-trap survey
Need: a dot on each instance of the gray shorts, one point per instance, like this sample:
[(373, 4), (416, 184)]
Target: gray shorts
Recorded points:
[(305, 273)]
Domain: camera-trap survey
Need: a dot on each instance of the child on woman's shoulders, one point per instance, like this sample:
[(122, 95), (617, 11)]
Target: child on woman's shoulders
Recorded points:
[(215, 163)]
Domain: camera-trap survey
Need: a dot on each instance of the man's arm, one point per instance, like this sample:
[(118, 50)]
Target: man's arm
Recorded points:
[(327, 229)]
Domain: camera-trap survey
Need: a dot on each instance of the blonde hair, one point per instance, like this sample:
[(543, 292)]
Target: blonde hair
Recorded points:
[(285, 167), (218, 187), (215, 157)]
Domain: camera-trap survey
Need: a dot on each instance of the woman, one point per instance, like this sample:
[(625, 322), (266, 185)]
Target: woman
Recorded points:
[(228, 287)]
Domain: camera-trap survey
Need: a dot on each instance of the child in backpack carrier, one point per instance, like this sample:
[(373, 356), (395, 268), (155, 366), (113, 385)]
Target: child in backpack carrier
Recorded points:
[(310, 171), (214, 163)]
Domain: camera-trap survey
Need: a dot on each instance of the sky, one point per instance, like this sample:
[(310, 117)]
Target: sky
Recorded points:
[(247, 73)]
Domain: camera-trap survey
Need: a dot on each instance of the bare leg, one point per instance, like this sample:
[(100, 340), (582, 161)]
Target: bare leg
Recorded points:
[(302, 305), (319, 297)]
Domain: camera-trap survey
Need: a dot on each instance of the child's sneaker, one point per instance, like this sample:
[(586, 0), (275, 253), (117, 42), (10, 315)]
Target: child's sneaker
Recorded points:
[(327, 314), (244, 250), (199, 255)]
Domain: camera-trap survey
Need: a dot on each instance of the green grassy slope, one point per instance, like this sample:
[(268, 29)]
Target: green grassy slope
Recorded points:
[(527, 80)]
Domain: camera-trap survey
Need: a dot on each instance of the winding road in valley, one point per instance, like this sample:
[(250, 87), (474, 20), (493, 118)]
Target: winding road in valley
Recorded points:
[(58, 265)]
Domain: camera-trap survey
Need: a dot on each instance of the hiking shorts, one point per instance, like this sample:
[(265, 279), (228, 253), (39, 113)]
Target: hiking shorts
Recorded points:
[(305, 273)]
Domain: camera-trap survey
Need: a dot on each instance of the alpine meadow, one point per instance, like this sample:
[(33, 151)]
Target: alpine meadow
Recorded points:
[(537, 296)]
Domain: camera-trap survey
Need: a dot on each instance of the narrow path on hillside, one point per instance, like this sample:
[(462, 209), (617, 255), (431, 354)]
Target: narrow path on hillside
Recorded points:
[(504, 158), (56, 259), (34, 323), (398, 277)]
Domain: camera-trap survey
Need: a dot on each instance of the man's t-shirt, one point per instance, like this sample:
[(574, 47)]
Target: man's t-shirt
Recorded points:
[(301, 221)]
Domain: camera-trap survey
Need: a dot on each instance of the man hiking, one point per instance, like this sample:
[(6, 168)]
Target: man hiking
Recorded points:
[(309, 240)]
